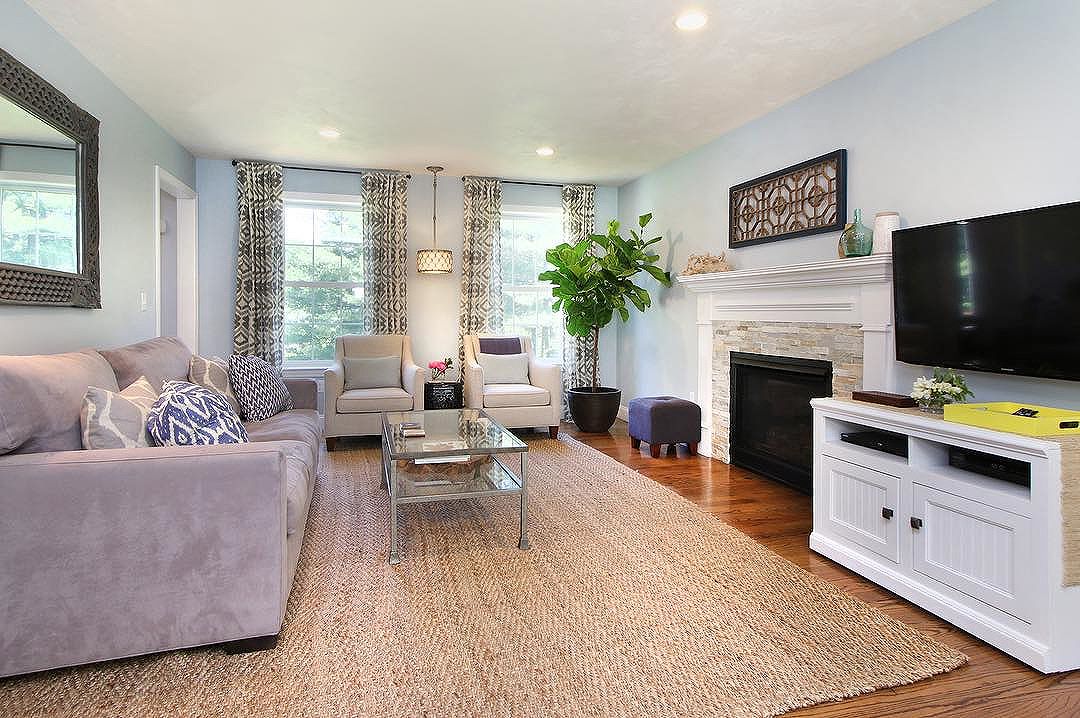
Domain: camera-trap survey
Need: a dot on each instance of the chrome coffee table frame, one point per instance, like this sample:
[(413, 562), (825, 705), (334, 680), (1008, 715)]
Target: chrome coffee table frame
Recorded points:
[(450, 433)]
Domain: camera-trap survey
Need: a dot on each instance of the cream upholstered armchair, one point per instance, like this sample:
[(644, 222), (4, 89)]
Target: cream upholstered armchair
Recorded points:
[(370, 375), (533, 399)]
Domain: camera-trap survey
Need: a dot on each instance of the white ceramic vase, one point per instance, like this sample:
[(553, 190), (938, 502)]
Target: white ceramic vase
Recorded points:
[(885, 223)]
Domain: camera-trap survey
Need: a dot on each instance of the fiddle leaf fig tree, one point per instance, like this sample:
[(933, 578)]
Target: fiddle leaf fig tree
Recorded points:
[(592, 280)]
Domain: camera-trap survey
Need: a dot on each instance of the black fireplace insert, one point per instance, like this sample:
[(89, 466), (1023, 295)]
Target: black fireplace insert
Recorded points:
[(771, 431)]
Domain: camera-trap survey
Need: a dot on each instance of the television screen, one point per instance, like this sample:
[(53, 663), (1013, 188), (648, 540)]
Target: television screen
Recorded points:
[(998, 294)]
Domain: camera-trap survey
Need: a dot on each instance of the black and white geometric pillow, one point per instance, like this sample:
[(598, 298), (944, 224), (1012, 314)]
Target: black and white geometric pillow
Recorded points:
[(258, 387), (187, 414)]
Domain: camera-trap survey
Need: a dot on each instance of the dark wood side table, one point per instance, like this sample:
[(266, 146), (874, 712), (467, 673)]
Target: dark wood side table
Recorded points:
[(443, 395)]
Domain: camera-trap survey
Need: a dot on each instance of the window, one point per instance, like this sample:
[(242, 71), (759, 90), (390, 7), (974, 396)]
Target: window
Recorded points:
[(324, 269), (37, 224), (527, 234)]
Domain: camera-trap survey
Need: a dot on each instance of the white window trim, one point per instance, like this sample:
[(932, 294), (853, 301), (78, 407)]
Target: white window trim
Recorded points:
[(37, 179), (306, 368), (321, 198)]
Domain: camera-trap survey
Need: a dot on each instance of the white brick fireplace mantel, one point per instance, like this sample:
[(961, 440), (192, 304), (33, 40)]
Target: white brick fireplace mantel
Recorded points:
[(841, 291)]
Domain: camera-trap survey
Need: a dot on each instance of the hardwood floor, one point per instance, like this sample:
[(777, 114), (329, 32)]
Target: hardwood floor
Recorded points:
[(993, 684)]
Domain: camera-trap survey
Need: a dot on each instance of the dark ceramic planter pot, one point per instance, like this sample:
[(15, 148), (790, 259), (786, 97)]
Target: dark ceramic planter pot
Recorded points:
[(594, 409)]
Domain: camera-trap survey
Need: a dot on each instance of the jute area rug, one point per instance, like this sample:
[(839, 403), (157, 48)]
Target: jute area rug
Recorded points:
[(631, 602)]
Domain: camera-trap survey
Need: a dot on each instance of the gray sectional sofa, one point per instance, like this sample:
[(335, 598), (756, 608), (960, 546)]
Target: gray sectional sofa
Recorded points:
[(120, 552)]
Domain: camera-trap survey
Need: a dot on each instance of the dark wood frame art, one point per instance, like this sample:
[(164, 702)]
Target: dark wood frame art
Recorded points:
[(838, 156), (21, 284)]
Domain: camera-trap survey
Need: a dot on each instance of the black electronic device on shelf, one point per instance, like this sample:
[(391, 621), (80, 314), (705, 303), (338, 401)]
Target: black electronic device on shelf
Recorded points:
[(886, 441), (997, 467)]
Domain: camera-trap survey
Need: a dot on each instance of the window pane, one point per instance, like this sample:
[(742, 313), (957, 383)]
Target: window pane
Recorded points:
[(323, 251), (526, 237), (315, 316)]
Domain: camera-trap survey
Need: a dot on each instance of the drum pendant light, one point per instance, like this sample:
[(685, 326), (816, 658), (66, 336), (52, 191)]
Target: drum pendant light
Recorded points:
[(434, 260)]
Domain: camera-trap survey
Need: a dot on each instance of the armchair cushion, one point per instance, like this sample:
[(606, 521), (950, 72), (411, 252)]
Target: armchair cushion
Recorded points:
[(505, 395), (505, 368), (371, 372), (366, 401)]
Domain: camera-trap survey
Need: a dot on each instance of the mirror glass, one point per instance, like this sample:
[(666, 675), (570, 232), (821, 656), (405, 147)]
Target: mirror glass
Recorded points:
[(38, 192)]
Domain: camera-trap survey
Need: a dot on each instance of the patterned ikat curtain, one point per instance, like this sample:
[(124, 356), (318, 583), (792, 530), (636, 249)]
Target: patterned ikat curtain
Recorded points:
[(481, 270), (579, 219), (260, 262), (386, 253)]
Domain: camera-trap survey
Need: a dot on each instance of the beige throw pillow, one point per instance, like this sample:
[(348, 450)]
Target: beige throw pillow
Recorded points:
[(504, 368), (372, 373), (213, 374), (117, 420)]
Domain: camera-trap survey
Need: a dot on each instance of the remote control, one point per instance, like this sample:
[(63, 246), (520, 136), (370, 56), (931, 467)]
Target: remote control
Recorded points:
[(1026, 412)]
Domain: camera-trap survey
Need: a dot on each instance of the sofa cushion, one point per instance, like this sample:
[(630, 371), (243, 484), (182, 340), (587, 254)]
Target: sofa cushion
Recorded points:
[(213, 374), (301, 426), (41, 398), (258, 387), (505, 368), (298, 490), (187, 414), (363, 401), (371, 373), (112, 420), (500, 395), (159, 360)]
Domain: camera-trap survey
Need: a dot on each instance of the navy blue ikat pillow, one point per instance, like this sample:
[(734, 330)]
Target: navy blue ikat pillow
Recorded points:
[(187, 414)]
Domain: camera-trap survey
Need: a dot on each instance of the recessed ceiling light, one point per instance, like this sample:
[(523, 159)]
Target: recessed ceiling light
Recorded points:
[(330, 133), (691, 20), (545, 151)]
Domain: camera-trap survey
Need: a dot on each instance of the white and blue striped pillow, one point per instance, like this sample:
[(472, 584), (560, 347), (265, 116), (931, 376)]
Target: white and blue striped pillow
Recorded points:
[(187, 414)]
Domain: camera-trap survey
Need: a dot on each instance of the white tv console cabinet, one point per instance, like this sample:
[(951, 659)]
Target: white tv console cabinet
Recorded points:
[(982, 553)]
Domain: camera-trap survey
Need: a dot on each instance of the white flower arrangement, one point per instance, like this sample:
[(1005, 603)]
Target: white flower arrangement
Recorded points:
[(945, 387)]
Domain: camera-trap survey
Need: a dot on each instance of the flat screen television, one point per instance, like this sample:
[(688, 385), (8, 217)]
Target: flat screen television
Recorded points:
[(997, 294)]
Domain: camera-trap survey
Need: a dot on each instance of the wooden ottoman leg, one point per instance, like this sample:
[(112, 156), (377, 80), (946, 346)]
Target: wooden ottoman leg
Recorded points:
[(331, 443), (654, 451), (553, 432), (671, 449), (691, 448), (635, 443)]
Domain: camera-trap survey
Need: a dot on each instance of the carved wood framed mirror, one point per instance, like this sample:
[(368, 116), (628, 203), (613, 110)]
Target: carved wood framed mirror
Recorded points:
[(48, 194)]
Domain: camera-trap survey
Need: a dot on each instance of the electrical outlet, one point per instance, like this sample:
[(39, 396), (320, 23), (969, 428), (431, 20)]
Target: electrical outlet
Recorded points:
[(144, 302), (692, 397)]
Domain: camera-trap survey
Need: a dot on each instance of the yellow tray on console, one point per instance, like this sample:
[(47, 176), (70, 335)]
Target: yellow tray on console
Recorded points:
[(999, 415)]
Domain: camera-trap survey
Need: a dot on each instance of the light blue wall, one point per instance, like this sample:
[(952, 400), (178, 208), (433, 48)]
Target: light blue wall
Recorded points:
[(433, 300), (37, 159), (978, 118), (131, 143)]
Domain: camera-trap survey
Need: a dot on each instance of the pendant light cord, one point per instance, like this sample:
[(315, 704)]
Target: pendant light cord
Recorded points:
[(434, 205)]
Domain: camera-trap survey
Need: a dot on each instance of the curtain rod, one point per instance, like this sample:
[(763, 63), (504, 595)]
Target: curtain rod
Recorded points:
[(524, 182), (330, 169)]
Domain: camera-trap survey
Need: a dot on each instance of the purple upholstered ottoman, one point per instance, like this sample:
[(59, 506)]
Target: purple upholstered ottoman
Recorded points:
[(668, 420)]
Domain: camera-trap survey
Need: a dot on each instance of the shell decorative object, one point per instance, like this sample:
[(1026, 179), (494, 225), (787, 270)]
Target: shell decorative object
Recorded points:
[(706, 264)]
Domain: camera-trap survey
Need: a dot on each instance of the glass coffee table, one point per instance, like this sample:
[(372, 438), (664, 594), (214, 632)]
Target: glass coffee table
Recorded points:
[(460, 456)]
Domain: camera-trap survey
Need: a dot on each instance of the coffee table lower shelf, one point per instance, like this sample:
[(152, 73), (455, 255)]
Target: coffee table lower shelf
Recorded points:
[(408, 483)]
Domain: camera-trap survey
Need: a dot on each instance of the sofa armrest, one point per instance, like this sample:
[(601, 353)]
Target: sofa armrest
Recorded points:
[(473, 376), (120, 552), (547, 375), (412, 381), (304, 393)]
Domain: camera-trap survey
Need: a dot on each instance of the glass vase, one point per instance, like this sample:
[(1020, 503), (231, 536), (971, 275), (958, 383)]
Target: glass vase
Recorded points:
[(857, 240)]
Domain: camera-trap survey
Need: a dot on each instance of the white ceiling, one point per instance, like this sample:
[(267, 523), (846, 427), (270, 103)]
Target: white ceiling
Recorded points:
[(477, 85)]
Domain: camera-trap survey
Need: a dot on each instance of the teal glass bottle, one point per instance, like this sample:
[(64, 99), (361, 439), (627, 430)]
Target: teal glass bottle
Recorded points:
[(857, 240)]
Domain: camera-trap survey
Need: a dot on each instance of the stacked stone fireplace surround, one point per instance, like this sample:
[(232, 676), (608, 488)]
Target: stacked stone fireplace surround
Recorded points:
[(840, 344)]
